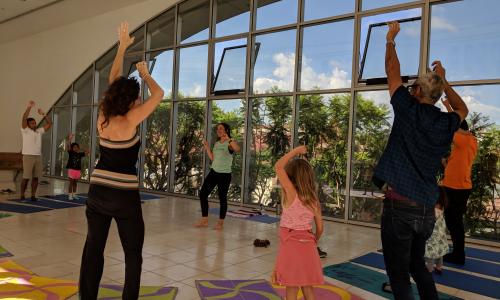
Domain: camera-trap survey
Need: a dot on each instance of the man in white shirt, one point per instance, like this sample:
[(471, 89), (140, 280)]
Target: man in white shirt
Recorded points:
[(32, 150)]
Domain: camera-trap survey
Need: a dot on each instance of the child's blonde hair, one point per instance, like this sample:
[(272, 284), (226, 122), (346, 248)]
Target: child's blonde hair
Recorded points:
[(301, 174)]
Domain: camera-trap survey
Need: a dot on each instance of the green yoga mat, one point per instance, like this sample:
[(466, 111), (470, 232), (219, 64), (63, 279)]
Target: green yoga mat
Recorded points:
[(4, 252), (367, 279)]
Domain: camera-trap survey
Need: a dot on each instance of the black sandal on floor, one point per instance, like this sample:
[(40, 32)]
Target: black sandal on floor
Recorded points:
[(386, 287)]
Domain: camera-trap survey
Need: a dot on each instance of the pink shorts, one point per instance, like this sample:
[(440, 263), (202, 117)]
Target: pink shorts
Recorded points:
[(74, 174)]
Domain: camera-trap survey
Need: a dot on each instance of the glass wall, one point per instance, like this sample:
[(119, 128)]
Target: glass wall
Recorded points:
[(289, 72)]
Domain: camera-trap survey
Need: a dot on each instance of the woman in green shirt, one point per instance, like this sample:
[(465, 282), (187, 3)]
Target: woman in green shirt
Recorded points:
[(220, 173)]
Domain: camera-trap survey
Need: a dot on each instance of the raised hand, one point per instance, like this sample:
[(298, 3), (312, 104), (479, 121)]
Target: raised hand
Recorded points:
[(124, 37), (41, 112), (205, 143), (301, 149), (71, 136), (438, 68), (142, 68), (393, 31), (31, 104)]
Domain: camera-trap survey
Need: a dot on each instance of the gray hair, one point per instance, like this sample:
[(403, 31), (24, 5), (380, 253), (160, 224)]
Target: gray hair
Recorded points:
[(431, 85)]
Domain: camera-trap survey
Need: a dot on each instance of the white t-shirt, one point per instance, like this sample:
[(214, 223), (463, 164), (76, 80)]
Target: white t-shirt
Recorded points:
[(32, 141)]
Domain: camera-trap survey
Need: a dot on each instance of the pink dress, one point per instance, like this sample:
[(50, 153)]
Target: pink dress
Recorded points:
[(298, 262)]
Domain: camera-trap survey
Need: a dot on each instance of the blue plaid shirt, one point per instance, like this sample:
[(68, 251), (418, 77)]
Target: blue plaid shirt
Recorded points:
[(421, 135)]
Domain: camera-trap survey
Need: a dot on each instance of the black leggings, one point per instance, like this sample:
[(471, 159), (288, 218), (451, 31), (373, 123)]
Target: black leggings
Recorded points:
[(454, 217), (222, 181), (128, 216)]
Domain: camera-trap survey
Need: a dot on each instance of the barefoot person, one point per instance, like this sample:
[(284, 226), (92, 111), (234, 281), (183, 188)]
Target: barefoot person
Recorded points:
[(114, 186), (421, 135), (32, 150), (219, 175)]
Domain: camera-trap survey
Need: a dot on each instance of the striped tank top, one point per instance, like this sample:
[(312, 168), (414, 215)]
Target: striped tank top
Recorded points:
[(117, 164)]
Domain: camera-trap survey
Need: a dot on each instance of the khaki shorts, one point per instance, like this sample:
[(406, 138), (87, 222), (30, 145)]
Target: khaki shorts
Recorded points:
[(32, 166)]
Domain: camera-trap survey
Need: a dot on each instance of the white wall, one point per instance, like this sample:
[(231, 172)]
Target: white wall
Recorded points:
[(42, 66)]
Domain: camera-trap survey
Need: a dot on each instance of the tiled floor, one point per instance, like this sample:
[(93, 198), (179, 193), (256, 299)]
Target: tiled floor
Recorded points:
[(175, 254)]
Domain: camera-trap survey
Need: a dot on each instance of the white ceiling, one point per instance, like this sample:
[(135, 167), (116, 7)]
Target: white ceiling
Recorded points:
[(12, 8), (51, 14)]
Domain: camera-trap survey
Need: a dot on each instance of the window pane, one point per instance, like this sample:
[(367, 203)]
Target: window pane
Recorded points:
[(270, 140), (62, 128), (161, 30), (83, 117), (317, 9), (83, 88), (274, 62), (407, 41), (465, 36), (193, 71), (129, 66), (189, 147), (103, 68), (156, 152), (371, 4), (161, 69), (65, 99), (323, 126), (138, 44), (231, 112), (193, 20), (372, 127), (271, 13), (483, 210), (46, 146), (327, 62), (233, 17), (229, 66)]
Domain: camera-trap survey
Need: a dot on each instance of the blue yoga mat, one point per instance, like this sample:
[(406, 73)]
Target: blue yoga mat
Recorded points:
[(482, 254), (146, 197), (255, 218), (48, 203), (462, 281), (367, 279), (22, 209), (81, 200)]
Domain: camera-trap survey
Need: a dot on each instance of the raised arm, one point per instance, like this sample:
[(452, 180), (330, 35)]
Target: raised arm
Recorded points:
[(24, 121), (234, 146), (456, 102), (49, 121), (209, 151), (279, 167), (447, 105), (68, 142), (125, 42), (141, 111), (392, 66)]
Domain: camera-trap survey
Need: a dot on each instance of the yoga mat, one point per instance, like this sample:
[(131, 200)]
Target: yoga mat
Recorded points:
[(367, 279), (482, 254), (471, 265), (22, 209), (146, 197), (4, 252), (63, 197), (257, 218), (322, 292), (111, 291), (48, 203), (4, 215), (258, 289), (17, 282), (462, 281)]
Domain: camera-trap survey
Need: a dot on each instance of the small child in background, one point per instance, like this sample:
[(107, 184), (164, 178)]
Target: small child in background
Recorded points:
[(437, 245), (74, 165), (298, 265)]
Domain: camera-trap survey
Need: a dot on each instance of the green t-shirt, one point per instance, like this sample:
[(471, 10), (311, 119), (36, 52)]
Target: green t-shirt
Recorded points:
[(223, 160)]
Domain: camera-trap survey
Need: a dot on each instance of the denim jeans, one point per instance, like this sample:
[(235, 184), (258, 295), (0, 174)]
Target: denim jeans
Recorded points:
[(406, 225)]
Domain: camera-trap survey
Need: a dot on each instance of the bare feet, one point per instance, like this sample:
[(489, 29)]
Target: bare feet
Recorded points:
[(220, 225), (203, 222)]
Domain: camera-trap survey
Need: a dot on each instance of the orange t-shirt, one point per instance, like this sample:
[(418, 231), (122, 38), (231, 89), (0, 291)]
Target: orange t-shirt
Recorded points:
[(458, 169)]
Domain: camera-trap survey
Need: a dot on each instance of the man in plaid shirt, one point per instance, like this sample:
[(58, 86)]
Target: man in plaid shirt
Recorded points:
[(421, 135)]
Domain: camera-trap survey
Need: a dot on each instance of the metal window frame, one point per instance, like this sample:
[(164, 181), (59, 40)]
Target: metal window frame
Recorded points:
[(247, 97)]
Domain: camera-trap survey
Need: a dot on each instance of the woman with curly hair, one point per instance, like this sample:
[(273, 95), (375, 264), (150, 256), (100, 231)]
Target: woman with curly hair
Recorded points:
[(114, 187)]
